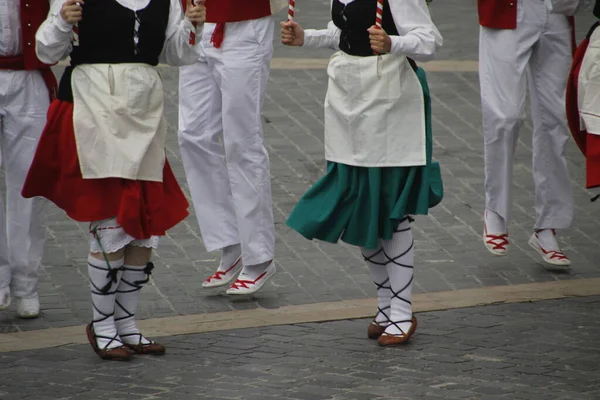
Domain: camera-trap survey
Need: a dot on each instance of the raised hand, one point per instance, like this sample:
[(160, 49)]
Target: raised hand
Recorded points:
[(71, 11), (196, 12), (381, 43), (292, 34)]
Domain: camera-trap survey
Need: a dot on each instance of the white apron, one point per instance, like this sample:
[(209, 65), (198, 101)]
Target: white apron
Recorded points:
[(118, 121), (374, 112), (588, 86)]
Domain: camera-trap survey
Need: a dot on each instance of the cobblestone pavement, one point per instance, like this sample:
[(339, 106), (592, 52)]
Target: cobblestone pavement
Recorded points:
[(450, 253), (487, 353)]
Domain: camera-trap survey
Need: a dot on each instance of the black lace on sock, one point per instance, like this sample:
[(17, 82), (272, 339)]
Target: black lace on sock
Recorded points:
[(111, 275), (396, 295), (382, 286), (410, 221), (135, 286), (105, 291)]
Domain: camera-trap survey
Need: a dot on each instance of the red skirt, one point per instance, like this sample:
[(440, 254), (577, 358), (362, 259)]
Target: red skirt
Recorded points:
[(142, 208)]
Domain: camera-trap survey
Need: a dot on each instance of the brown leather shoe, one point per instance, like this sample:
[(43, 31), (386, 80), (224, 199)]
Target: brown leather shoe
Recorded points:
[(391, 340), (375, 330), (152, 348), (117, 354)]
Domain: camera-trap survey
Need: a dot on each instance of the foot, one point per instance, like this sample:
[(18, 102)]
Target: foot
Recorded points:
[(229, 267), (544, 242), (375, 330), (381, 320), (28, 308), (223, 277), (495, 233), (119, 353), (140, 344), (389, 339), (252, 278), (5, 298)]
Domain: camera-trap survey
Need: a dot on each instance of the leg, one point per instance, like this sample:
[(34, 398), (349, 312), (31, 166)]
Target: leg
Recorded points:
[(503, 55), (201, 144), (23, 125), (5, 273), (376, 261), (399, 259), (105, 269), (550, 64), (242, 73), (136, 273)]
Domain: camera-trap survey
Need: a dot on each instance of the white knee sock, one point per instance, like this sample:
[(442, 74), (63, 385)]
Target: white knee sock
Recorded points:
[(128, 295), (399, 254), (376, 262), (229, 256), (104, 279)]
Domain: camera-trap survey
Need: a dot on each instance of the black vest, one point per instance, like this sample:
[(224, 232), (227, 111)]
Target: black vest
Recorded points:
[(108, 35), (354, 19)]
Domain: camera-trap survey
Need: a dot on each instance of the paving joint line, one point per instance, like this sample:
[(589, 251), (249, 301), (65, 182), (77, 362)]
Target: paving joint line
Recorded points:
[(316, 312)]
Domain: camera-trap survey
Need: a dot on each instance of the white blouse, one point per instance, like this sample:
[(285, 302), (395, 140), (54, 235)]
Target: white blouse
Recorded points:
[(54, 37), (418, 36)]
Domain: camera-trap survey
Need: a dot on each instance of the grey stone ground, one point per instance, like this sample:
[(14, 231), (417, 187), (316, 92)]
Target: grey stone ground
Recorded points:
[(486, 353), (450, 254)]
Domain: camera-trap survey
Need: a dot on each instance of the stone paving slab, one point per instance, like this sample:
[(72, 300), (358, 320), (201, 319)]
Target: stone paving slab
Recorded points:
[(450, 254), (544, 350)]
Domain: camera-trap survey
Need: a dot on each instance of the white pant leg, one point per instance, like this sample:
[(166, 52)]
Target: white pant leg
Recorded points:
[(5, 274), (504, 55), (203, 154), (241, 67), (549, 69), (23, 121)]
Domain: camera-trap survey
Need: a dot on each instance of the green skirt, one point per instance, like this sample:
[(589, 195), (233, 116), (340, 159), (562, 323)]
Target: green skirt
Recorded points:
[(361, 205)]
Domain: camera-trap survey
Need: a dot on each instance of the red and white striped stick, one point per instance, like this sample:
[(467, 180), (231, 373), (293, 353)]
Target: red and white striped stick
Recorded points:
[(379, 14), (291, 9), (378, 17)]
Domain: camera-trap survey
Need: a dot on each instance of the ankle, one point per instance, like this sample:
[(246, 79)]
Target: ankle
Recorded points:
[(494, 223), (229, 256)]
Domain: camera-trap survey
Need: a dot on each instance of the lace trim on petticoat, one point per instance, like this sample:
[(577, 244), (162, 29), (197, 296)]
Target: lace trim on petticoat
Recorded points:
[(114, 238)]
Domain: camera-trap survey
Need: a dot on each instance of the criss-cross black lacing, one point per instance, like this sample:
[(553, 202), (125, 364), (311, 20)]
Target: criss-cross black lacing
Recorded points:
[(410, 221), (382, 286), (134, 287), (112, 276), (136, 34), (396, 295)]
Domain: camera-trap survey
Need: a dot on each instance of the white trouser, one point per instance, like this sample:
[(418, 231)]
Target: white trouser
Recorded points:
[(540, 47), (23, 106), (221, 139)]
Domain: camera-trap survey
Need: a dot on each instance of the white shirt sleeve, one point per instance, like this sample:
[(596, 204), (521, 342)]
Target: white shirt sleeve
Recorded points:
[(177, 50), (323, 38), (53, 40), (418, 36)]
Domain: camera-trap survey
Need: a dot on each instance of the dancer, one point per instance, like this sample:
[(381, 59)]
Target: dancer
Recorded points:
[(377, 146), (26, 87), (104, 161), (583, 89), (534, 49), (221, 141)]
